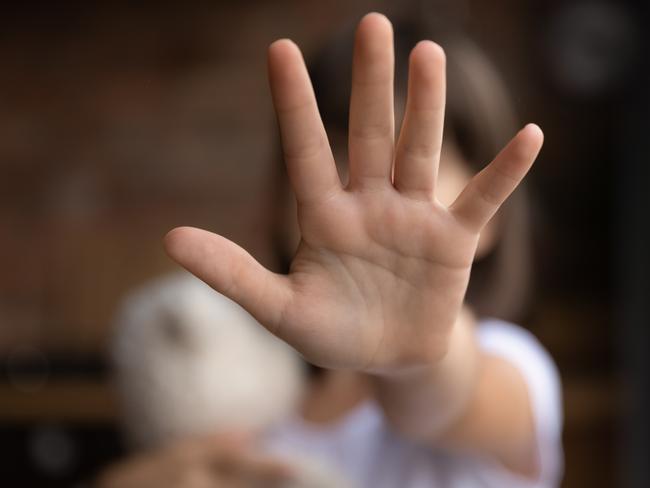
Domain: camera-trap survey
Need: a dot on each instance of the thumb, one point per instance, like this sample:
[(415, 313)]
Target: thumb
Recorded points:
[(231, 271)]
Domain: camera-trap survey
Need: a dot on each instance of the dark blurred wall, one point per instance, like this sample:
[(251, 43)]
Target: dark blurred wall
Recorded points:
[(118, 123)]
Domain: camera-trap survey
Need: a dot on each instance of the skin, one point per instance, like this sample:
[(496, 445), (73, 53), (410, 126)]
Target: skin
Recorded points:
[(378, 281), (225, 461)]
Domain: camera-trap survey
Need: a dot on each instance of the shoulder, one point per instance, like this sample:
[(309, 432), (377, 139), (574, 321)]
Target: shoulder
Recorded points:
[(522, 348), (525, 352)]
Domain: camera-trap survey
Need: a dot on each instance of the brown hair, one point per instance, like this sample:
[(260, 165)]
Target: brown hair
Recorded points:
[(479, 121)]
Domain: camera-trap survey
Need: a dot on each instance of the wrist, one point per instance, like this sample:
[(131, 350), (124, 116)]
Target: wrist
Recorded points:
[(444, 351), (425, 400)]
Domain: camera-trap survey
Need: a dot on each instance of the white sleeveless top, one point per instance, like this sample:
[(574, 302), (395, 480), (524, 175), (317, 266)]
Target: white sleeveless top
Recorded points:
[(364, 450)]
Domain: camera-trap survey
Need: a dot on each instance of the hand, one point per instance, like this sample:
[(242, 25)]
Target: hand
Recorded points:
[(222, 462), (380, 273)]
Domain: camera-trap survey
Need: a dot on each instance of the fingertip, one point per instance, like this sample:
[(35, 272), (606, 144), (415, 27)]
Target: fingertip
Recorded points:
[(282, 45), (176, 241), (429, 49), (534, 133), (532, 139), (373, 26), (172, 238), (281, 49), (284, 61), (428, 60), (375, 18)]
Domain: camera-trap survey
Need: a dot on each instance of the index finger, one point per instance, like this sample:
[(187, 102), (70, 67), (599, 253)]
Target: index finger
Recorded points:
[(307, 153)]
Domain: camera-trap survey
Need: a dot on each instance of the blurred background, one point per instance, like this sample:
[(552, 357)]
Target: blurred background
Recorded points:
[(119, 122)]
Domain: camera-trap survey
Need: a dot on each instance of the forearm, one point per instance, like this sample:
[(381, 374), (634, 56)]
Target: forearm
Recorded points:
[(469, 401)]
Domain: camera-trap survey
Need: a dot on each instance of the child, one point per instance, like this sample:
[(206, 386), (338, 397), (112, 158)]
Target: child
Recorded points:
[(416, 390)]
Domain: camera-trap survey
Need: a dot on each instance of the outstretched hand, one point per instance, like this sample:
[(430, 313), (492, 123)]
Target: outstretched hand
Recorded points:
[(382, 267)]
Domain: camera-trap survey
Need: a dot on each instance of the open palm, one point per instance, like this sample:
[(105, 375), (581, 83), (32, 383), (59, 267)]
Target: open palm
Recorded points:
[(382, 267)]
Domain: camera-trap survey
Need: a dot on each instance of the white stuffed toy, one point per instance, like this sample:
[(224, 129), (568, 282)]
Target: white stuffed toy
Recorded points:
[(189, 361)]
